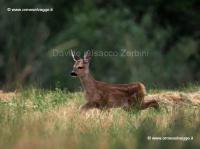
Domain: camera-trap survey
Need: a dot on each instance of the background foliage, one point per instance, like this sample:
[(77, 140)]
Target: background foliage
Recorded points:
[(34, 45)]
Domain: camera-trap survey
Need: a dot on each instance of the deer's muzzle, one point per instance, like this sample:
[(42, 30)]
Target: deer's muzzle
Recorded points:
[(73, 74)]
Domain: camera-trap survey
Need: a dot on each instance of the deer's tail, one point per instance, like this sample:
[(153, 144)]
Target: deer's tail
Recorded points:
[(141, 92)]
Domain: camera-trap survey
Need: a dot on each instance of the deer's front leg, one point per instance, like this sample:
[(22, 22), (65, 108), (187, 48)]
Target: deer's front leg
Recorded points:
[(88, 105)]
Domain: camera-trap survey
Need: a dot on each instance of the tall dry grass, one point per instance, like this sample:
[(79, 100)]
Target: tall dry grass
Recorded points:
[(36, 118)]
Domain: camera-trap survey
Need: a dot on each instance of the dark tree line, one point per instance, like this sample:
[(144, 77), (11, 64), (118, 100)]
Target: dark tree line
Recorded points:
[(167, 30)]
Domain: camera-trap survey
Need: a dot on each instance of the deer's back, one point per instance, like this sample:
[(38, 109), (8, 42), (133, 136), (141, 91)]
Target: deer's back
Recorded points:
[(123, 89)]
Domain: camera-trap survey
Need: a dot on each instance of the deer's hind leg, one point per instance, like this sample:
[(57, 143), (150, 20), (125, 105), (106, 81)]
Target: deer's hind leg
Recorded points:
[(141, 104), (148, 104), (128, 105)]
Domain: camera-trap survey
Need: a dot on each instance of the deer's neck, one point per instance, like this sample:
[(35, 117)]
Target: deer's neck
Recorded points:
[(88, 82)]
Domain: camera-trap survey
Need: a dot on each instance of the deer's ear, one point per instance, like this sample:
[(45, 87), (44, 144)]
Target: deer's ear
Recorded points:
[(87, 56), (74, 56)]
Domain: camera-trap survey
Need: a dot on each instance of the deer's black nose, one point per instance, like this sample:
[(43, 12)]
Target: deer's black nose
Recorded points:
[(73, 74)]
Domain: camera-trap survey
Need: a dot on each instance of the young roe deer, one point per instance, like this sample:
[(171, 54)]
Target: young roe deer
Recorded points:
[(104, 95)]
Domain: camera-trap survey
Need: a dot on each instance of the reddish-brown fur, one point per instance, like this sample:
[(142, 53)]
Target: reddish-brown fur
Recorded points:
[(104, 95)]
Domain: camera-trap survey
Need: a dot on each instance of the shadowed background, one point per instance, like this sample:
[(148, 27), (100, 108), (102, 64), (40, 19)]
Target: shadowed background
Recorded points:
[(34, 44)]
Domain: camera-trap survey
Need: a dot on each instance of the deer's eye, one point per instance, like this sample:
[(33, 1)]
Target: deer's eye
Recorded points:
[(80, 67)]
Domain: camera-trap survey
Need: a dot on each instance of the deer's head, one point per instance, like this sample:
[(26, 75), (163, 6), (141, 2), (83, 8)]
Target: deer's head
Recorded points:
[(81, 65)]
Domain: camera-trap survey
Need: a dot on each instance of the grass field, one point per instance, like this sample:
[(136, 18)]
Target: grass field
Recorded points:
[(35, 118)]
